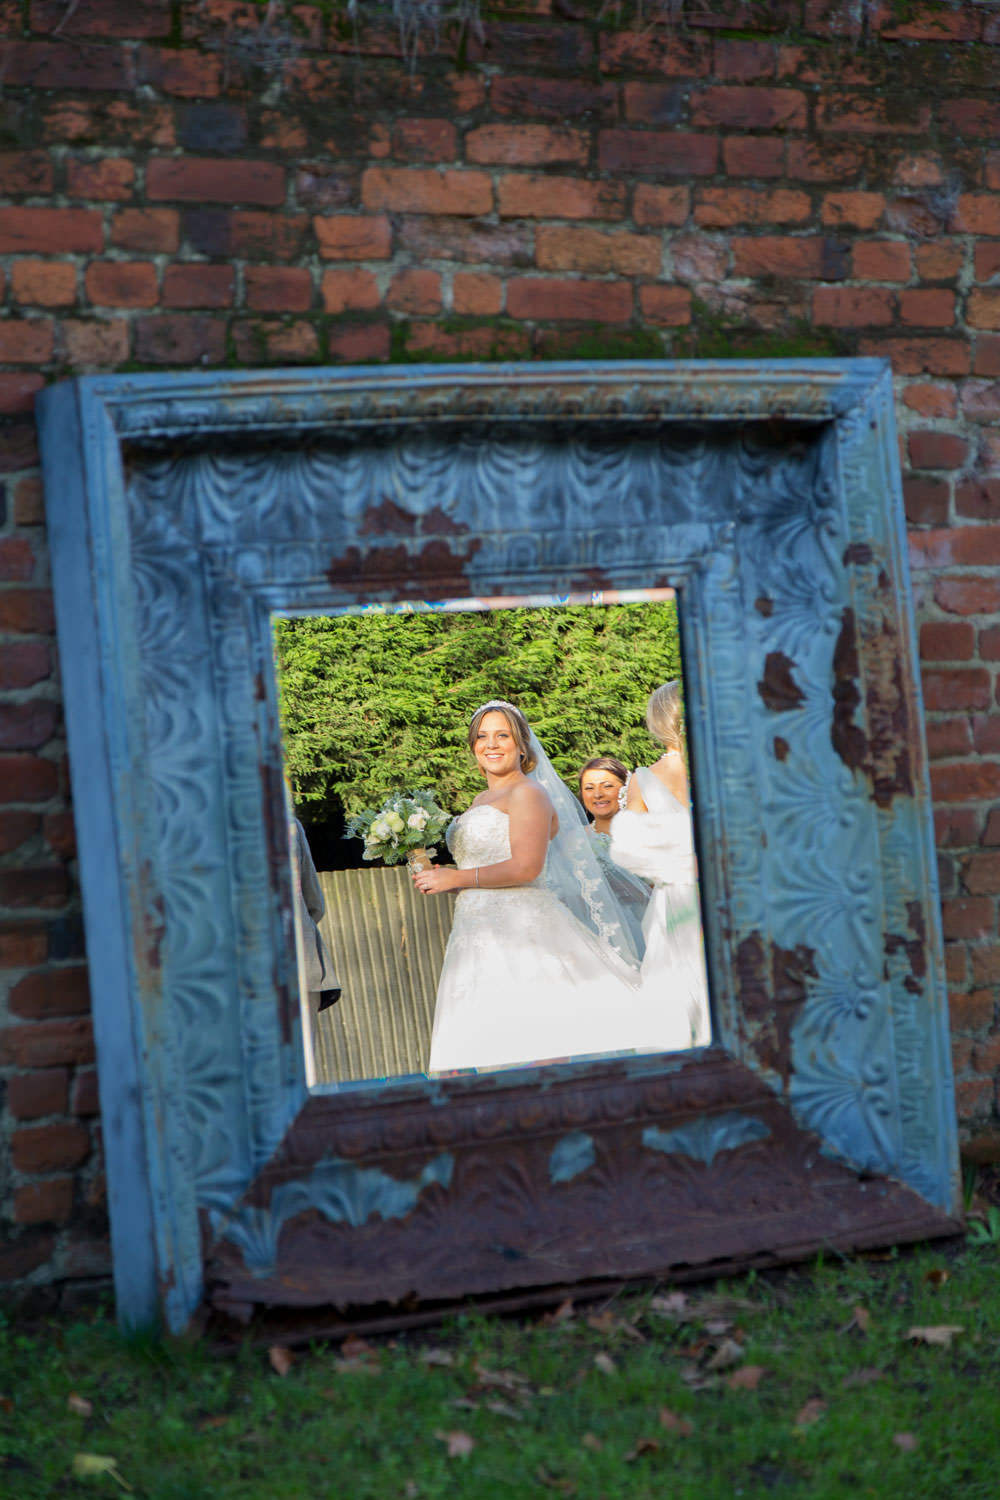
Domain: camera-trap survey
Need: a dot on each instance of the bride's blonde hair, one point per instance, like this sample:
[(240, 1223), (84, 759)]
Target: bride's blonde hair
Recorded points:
[(518, 727), (665, 716)]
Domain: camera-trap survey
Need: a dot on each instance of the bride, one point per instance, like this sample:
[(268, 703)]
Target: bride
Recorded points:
[(539, 965)]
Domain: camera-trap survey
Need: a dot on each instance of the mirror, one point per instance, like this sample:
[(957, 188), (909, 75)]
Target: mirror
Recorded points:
[(597, 952)]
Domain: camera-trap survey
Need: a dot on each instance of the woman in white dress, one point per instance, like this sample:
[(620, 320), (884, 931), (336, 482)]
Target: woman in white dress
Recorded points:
[(653, 838), (524, 978), (602, 783)]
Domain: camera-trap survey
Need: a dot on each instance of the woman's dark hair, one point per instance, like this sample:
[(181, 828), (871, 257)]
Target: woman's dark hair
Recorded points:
[(603, 763)]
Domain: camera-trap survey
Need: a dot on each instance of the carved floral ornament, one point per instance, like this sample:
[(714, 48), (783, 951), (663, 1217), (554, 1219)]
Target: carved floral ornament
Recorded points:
[(185, 509)]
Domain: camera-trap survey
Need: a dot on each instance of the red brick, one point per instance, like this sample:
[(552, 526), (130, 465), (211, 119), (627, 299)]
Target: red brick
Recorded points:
[(186, 74), (104, 18), (971, 1010), (722, 207), (932, 23), (47, 1044), (557, 47), (193, 179), (931, 400), (766, 255), (753, 156), (121, 283), (325, 185), (412, 190), (985, 971), (354, 237), (971, 117), (948, 739), (968, 596), (986, 735), (349, 291), (663, 50), (85, 1100), (658, 153), (54, 65), (961, 1053), (432, 341), (150, 229), (23, 663), (51, 992), (26, 342), (981, 400), (852, 307), (989, 650), (919, 170), (983, 308), (95, 344), (955, 828), (60, 833), (665, 306), (272, 237), (881, 260), (424, 140), (278, 288), (947, 640), (552, 98), (199, 285), (476, 295), (47, 1148), (18, 389), (661, 206), (17, 559), (812, 161), (873, 115), (415, 291), (987, 260), (466, 240), (576, 249), (16, 828), (527, 197), (43, 283), (46, 886), (29, 505), (271, 340), (592, 301), (32, 1096), (28, 778), (48, 1202), (750, 108), (655, 103), (986, 1056), (979, 499), (968, 917), (744, 60), (976, 546), (854, 209), (110, 179), (930, 308), (27, 172), (28, 725), (27, 610), (991, 170), (977, 213), (937, 450), (526, 146), (359, 343), (947, 689), (927, 356), (179, 339)]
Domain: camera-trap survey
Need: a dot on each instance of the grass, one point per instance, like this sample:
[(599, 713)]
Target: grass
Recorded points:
[(848, 1404)]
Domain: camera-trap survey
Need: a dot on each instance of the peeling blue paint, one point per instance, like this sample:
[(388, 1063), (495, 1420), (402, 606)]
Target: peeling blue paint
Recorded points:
[(572, 1155), (705, 1137)]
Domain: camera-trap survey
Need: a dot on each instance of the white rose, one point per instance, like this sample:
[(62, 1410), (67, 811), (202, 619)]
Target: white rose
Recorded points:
[(417, 820), (379, 830)]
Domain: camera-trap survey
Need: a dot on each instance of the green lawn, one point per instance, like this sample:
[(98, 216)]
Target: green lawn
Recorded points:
[(806, 1383)]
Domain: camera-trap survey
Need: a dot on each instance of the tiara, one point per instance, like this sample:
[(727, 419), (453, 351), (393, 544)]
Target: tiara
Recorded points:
[(495, 703)]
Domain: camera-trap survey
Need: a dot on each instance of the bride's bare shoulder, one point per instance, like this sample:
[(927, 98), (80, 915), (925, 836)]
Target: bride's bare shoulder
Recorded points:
[(528, 796)]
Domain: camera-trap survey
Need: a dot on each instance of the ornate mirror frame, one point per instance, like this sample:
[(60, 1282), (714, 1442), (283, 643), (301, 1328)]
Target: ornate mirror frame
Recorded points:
[(185, 508)]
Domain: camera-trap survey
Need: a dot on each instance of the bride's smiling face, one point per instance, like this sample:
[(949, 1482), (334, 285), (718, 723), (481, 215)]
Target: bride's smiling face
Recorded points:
[(496, 748)]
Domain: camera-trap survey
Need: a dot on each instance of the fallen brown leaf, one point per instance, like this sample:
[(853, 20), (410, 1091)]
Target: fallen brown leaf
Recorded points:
[(728, 1353), (643, 1446), (605, 1364), (458, 1444), (92, 1465), (280, 1359), (504, 1380), (673, 1423), (746, 1378), (564, 1313), (810, 1413), (79, 1404), (907, 1441), (858, 1322), (208, 1423), (937, 1275), (592, 1441), (862, 1377), (938, 1334), (603, 1322)]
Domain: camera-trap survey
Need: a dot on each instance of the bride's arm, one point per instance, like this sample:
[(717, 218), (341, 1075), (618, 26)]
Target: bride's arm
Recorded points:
[(530, 816)]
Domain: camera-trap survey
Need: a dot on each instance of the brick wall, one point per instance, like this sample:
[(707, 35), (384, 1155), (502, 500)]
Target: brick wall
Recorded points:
[(212, 182)]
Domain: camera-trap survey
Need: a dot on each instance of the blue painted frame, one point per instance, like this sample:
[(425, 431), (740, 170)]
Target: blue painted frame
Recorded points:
[(185, 508)]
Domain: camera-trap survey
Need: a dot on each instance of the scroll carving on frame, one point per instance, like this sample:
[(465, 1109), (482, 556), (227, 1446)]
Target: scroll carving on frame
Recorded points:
[(187, 510)]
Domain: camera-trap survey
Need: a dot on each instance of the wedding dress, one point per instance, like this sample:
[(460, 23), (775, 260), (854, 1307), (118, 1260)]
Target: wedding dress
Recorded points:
[(659, 846), (524, 980)]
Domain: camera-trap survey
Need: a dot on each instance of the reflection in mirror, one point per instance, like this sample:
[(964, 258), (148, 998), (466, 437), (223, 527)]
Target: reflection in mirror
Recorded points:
[(491, 834)]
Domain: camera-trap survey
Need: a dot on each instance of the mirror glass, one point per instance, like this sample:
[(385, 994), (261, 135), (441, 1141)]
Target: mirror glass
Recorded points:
[(492, 843)]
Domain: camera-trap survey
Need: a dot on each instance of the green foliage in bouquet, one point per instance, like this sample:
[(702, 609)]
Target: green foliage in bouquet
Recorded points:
[(371, 703), (409, 820)]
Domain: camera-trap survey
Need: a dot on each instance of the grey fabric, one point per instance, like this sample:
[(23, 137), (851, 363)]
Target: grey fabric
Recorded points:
[(319, 974)]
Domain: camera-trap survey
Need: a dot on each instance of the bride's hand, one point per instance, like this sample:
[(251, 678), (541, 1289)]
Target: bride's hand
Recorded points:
[(432, 882)]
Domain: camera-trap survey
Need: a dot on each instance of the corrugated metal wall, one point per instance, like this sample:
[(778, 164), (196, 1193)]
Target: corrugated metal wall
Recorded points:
[(387, 943)]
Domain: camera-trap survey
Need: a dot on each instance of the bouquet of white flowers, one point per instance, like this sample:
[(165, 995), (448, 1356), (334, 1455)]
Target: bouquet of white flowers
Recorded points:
[(407, 826)]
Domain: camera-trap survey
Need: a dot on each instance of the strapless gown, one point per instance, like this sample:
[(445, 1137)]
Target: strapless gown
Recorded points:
[(658, 845), (524, 981)]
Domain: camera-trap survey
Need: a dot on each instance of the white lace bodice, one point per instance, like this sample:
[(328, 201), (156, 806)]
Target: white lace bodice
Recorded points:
[(480, 836)]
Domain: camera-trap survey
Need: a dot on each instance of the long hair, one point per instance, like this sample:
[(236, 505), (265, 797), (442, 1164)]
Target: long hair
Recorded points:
[(519, 728), (665, 716)]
